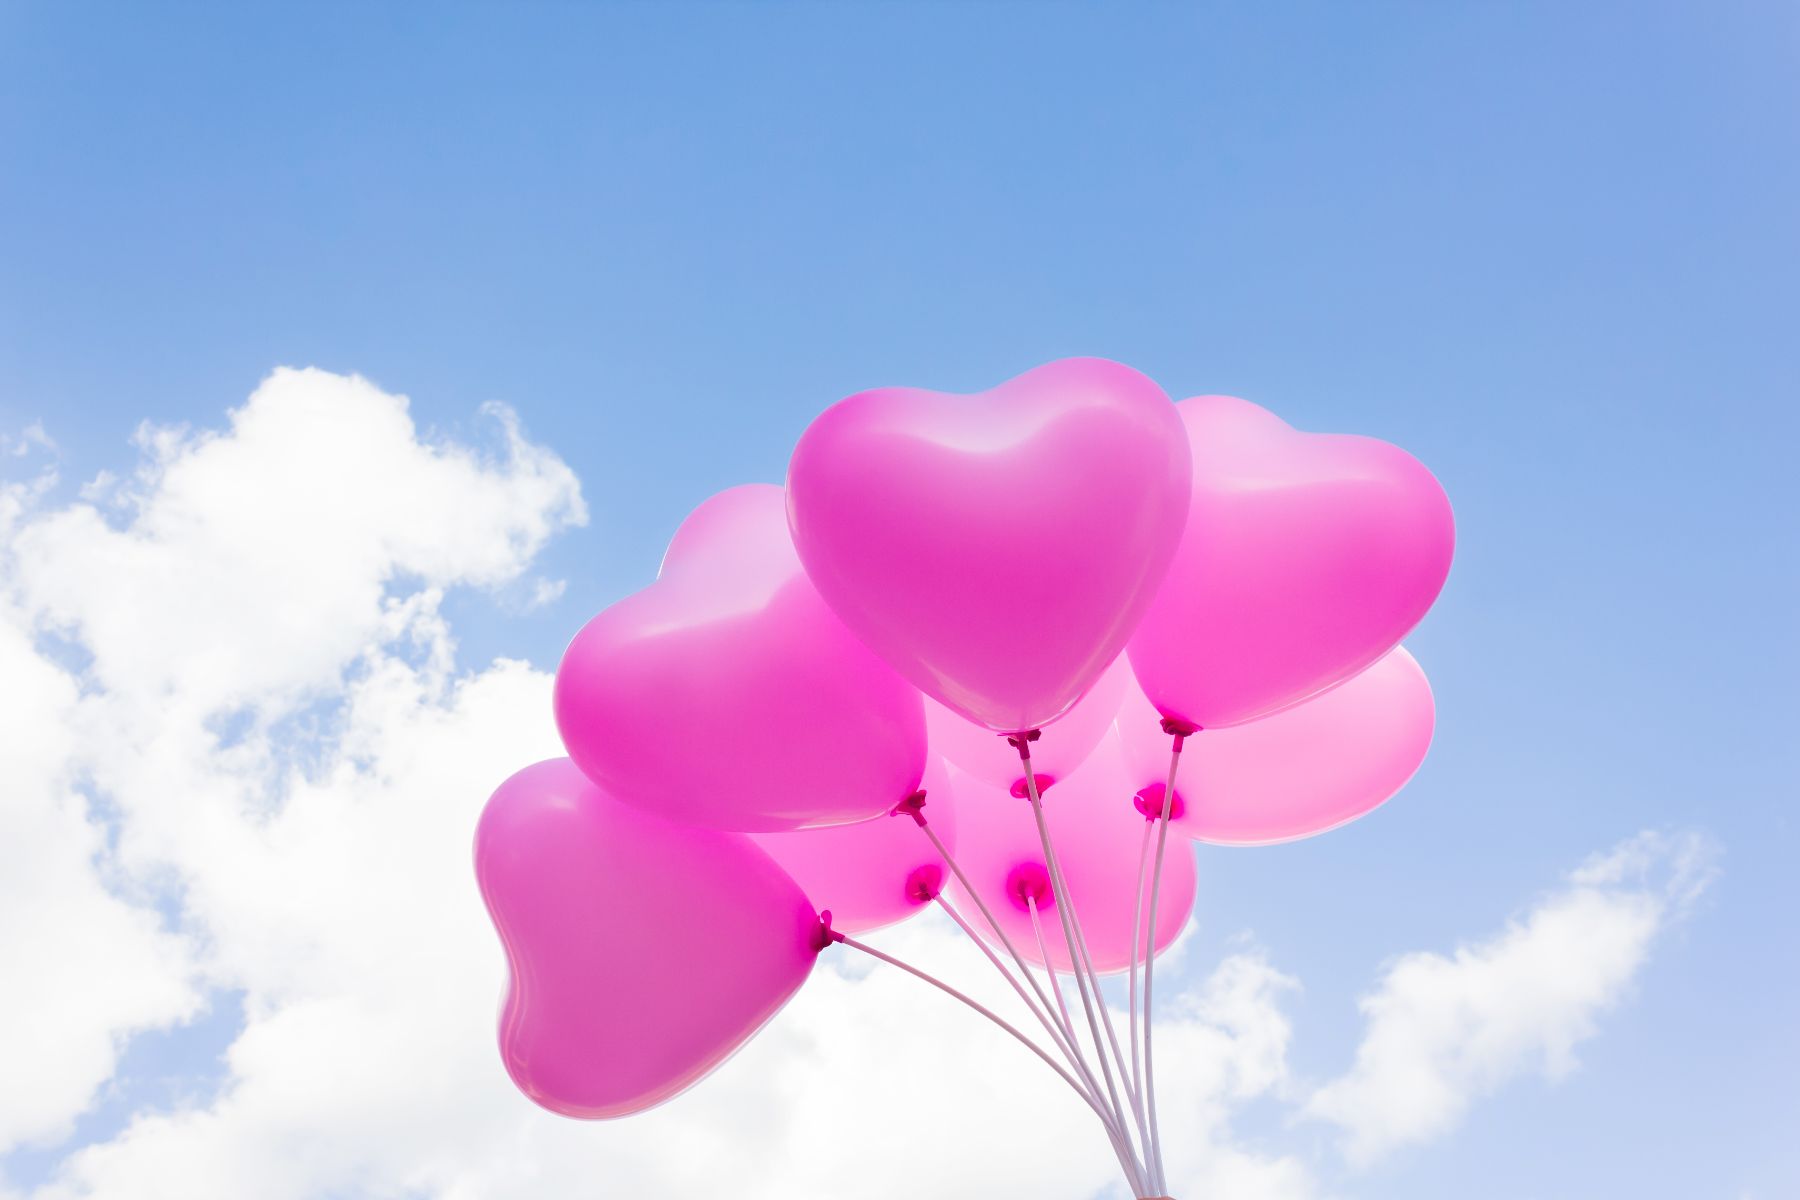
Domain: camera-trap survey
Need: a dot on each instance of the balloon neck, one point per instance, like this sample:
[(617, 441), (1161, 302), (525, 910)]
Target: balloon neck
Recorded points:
[(1022, 742), (1180, 729), (1021, 789), (913, 806), (1030, 882), (1149, 801), (924, 884), (825, 935)]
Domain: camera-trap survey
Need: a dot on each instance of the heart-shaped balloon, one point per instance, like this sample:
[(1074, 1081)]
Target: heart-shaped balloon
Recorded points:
[(1305, 558), (1304, 770), (727, 694), (1063, 747), (875, 872), (997, 548), (1098, 835), (641, 952)]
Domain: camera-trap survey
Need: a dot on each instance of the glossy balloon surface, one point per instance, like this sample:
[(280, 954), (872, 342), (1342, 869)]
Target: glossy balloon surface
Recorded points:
[(1299, 772), (641, 953), (875, 872), (728, 695), (1305, 558), (997, 548)]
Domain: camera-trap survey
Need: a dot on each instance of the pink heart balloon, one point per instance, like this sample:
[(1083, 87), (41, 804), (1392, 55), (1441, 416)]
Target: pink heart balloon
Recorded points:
[(727, 694), (1306, 557), (641, 952), (1063, 747), (996, 548), (1098, 834), (1304, 770), (875, 872)]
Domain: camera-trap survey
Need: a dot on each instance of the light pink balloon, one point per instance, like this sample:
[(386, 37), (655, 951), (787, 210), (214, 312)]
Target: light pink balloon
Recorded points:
[(641, 952), (875, 872), (1097, 832), (1063, 747), (726, 694), (1306, 557), (1304, 770), (996, 548)]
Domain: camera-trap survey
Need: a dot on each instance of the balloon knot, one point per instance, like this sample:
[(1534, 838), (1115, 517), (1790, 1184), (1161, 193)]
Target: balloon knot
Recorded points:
[(825, 934), (1030, 881), (913, 806), (1149, 802), (924, 884), (1179, 729), (1022, 742)]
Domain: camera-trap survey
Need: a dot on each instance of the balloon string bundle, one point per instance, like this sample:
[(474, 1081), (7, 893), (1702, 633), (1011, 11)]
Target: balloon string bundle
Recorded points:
[(853, 636), (1141, 1160)]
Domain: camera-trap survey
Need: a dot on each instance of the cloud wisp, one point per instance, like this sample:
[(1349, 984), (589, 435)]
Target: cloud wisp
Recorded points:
[(1444, 1030)]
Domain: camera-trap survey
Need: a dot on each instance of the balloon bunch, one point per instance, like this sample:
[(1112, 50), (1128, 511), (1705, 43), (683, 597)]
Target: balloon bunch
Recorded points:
[(957, 661)]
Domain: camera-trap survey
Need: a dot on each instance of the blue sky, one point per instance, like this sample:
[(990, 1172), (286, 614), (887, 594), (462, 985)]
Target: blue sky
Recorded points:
[(1550, 249)]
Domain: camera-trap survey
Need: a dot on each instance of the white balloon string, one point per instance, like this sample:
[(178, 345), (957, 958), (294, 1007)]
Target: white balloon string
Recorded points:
[(987, 915), (1137, 1112), (1037, 929), (1086, 962), (1065, 910), (1124, 1158), (1019, 959), (1047, 1020), (1056, 989), (1162, 837), (977, 1006), (1121, 1132), (1137, 937)]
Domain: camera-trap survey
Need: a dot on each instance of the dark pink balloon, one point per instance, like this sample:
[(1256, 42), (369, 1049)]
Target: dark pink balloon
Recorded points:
[(641, 952), (875, 872), (1305, 558), (1304, 770), (1098, 833), (996, 548), (727, 694)]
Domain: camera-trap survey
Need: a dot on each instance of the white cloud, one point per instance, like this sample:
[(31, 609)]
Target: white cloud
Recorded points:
[(243, 575), (1445, 1030), (238, 651), (83, 968), (31, 437), (252, 564), (1227, 1045), (546, 592)]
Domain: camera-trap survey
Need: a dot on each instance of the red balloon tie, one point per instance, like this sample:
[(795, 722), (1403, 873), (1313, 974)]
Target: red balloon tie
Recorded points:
[(1022, 742), (1179, 729), (913, 806), (825, 935)]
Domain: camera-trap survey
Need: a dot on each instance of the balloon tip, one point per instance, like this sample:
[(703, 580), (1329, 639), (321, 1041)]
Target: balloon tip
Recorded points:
[(913, 806), (924, 884), (1030, 882), (1149, 802), (1179, 729), (1022, 742), (1021, 788), (825, 935)]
